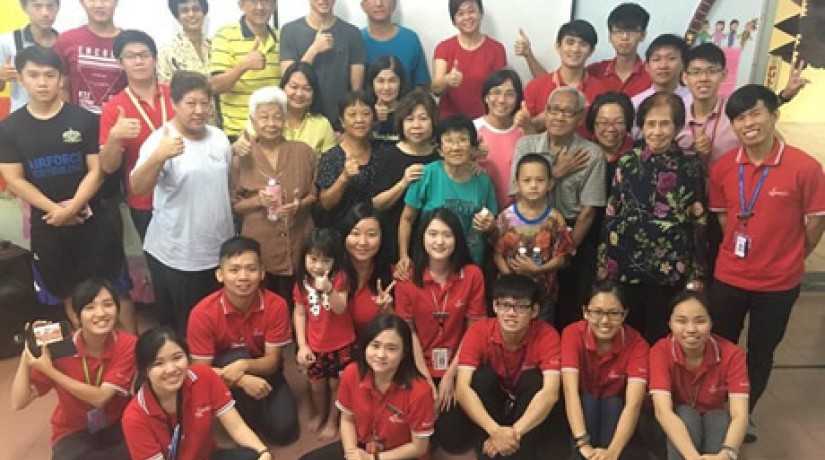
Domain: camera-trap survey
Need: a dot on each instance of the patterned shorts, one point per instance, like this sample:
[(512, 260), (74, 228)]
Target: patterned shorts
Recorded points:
[(331, 364)]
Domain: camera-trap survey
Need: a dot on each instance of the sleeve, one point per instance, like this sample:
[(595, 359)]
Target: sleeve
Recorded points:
[(637, 362), (221, 55), (332, 163), (444, 52), (141, 441), (40, 383), (9, 153), (404, 295), (716, 192), (298, 294), (571, 349), (477, 307), (119, 373), (201, 333), (91, 135), (737, 374), (328, 136), (421, 410), (289, 46), (219, 393), (416, 194), (349, 381), (813, 188), (147, 149), (357, 49), (279, 330), (420, 71), (594, 192), (550, 351), (108, 118), (471, 354), (660, 368)]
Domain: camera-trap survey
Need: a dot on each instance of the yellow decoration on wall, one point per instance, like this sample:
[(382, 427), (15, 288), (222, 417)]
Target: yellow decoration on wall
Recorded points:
[(11, 17)]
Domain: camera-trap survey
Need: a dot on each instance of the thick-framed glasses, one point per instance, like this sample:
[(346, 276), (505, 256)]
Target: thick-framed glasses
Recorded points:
[(706, 72), (612, 315), (508, 306), (618, 123)]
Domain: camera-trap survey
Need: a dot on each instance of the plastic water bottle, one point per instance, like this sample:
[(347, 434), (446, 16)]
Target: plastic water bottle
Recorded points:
[(537, 259), (274, 190), (522, 249)]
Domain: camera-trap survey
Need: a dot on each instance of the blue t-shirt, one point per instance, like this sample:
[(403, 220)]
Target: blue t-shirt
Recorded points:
[(407, 47), (436, 189)]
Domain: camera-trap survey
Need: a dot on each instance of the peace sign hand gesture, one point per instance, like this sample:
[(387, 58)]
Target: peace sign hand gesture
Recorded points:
[(383, 297)]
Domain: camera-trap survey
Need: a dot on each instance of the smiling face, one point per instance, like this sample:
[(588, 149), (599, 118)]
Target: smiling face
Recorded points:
[(418, 126), (138, 62), (268, 121), (562, 115), (241, 274), (658, 129), (167, 372), (610, 127), (690, 324), (318, 264), (439, 241), (258, 12), (501, 100), (99, 11), (456, 148), (99, 316), (626, 41), (755, 128), (605, 316), (384, 352), (364, 240), (703, 79), (468, 17), (378, 10), (357, 120), (514, 315), (665, 66), (573, 51), (190, 16), (299, 93), (192, 112), (387, 84)]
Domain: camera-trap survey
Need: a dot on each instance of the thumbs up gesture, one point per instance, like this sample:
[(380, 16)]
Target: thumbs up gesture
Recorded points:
[(523, 118), (323, 41), (454, 76), (254, 59), (125, 127), (8, 71), (170, 146), (523, 47)]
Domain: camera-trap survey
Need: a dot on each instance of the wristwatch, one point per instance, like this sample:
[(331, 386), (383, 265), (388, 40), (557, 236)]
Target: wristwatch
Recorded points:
[(732, 454), (583, 440)]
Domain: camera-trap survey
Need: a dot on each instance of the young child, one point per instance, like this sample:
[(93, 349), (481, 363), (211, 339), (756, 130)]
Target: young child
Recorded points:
[(533, 236), (323, 326)]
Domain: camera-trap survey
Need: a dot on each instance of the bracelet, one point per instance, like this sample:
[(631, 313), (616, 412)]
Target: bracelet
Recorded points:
[(264, 451), (582, 440)]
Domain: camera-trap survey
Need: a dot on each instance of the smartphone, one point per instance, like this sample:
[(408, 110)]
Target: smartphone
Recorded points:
[(56, 336)]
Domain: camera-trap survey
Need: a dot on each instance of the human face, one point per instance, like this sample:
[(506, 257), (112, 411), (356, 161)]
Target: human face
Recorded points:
[(439, 241), (605, 316), (514, 315), (357, 120), (378, 10), (626, 41), (322, 7), (468, 17), (418, 126), (690, 325), (755, 127), (299, 92), (138, 62), (364, 240), (42, 13), (192, 112), (610, 126), (456, 148), (562, 116), (258, 12), (318, 264), (190, 16), (533, 182), (384, 352), (573, 51), (167, 372), (703, 79), (665, 66), (268, 121), (99, 316), (100, 11), (387, 84), (241, 274), (501, 100), (658, 129), (42, 83)]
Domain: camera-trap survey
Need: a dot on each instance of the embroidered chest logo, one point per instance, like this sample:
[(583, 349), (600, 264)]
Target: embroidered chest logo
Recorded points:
[(200, 412), (71, 136)]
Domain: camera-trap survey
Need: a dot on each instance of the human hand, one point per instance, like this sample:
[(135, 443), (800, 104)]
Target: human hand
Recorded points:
[(324, 41), (233, 371), (445, 398), (243, 145), (254, 59), (524, 265), (7, 70), (523, 46), (795, 81), (505, 440), (602, 454), (402, 268), (383, 297), (568, 162), (523, 118), (454, 76), (291, 208), (125, 127), (169, 146), (484, 221), (701, 143), (351, 168), (255, 386), (62, 215), (305, 357), (413, 173), (43, 363), (322, 283)]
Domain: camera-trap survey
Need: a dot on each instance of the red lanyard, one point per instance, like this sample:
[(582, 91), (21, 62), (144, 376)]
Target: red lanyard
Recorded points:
[(510, 379), (378, 412)]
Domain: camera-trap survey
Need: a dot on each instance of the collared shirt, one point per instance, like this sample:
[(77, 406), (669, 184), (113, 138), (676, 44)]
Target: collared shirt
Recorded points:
[(180, 54), (315, 131), (146, 424), (716, 127), (722, 374), (604, 375), (118, 362), (539, 90), (394, 417), (793, 188), (438, 313), (637, 81), (8, 50), (325, 330), (361, 305), (216, 326)]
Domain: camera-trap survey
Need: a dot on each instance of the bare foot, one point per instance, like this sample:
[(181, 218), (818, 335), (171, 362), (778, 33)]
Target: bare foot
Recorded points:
[(329, 433)]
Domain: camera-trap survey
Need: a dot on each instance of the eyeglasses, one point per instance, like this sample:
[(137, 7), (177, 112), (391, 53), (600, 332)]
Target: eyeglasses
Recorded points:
[(518, 307), (707, 72), (184, 10), (620, 31), (618, 123), (557, 111), (612, 315), (143, 55)]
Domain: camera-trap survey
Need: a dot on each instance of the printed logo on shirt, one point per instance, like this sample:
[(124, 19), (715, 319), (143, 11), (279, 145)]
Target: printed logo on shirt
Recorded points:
[(202, 410), (59, 164), (396, 415), (257, 332), (100, 77), (717, 389), (72, 136), (613, 375), (459, 304), (777, 192)]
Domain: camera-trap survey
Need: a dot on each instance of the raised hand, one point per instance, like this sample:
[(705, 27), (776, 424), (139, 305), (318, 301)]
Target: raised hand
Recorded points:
[(484, 220), (8, 71), (243, 145), (569, 162), (292, 207), (254, 59), (523, 117), (324, 41), (454, 76), (701, 143), (351, 168), (125, 127), (383, 297), (169, 146), (413, 173), (795, 81), (523, 46)]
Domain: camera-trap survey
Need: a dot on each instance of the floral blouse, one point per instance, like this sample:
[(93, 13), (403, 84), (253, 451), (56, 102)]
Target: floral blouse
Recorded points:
[(654, 227)]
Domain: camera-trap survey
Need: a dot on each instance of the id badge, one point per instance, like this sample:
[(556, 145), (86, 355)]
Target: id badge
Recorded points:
[(741, 244), (96, 420), (441, 359)]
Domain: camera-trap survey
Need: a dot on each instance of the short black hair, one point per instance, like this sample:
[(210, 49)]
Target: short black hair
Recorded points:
[(458, 123), (147, 347), (407, 104), (578, 28), (498, 78), (687, 295), (391, 62), (39, 55), (354, 98), (238, 245), (454, 5), (308, 72), (174, 4), (327, 241), (516, 287), (536, 158), (628, 16), (407, 370), (607, 287), (133, 36), (663, 99), (85, 292), (185, 81), (667, 41), (746, 98), (734, 21), (23, 3), (708, 52), (611, 97)]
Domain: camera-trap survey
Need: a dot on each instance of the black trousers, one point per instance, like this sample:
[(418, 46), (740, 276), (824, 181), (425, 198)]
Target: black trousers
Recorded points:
[(107, 444), (575, 281), (647, 308), (454, 431), (141, 219)]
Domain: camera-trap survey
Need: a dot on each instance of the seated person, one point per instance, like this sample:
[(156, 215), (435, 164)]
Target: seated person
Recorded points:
[(508, 371), (241, 331)]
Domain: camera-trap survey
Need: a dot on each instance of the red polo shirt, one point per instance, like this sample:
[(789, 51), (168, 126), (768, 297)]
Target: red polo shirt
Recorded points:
[(793, 188), (362, 306), (394, 417), (118, 362), (326, 331), (131, 147), (723, 374), (604, 375), (215, 326), (146, 425), (539, 90), (439, 313), (637, 81), (484, 346)]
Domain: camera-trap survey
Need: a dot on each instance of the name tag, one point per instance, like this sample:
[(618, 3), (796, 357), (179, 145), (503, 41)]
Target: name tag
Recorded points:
[(741, 245), (441, 358)]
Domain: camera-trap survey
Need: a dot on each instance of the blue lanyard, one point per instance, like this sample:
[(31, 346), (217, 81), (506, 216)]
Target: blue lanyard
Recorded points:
[(746, 213)]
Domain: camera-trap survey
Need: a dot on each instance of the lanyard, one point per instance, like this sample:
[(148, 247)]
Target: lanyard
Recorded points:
[(510, 380), (746, 212), (86, 372), (143, 114), (175, 432), (440, 314), (377, 412)]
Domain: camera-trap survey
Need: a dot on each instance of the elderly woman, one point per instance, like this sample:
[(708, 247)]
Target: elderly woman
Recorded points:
[(279, 222), (610, 119), (654, 232), (304, 120)]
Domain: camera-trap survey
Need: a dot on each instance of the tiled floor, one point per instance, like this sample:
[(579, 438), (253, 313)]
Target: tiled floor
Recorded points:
[(791, 415)]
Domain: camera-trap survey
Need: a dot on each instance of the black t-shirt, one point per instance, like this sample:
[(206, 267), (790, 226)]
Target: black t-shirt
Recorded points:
[(53, 152)]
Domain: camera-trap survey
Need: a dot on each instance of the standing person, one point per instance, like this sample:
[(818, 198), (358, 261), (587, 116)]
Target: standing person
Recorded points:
[(132, 115), (386, 84), (186, 163), (604, 372), (383, 37), (333, 47), (693, 375), (461, 63), (386, 405), (86, 421), (50, 160), (38, 31), (304, 120), (626, 72), (244, 57), (443, 297), (241, 331), (664, 61), (610, 118), (508, 372), (767, 235), (178, 404), (190, 49)]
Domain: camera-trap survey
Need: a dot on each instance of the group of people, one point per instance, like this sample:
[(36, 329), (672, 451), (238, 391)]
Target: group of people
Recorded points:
[(448, 270)]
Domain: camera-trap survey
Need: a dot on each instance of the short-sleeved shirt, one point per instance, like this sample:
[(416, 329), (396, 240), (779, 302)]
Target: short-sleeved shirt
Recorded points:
[(436, 189), (538, 91), (501, 145), (681, 91), (326, 330), (118, 369), (604, 375), (131, 147), (94, 73), (229, 47), (146, 424), (637, 81), (439, 314), (216, 326), (394, 417), (361, 305), (358, 189), (333, 66), (716, 127), (315, 131), (483, 345), (474, 65), (794, 187), (180, 54), (723, 374), (406, 46), (192, 189), (8, 50), (582, 188)]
